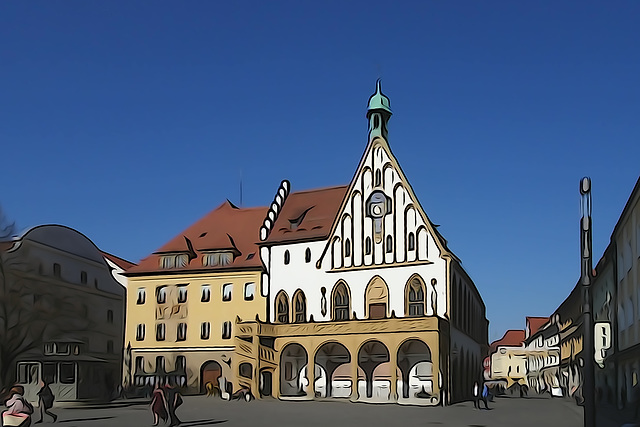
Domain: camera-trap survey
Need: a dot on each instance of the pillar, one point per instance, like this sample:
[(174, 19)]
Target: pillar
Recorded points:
[(393, 362)]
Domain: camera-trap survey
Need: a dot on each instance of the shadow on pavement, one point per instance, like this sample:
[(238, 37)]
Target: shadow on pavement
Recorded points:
[(201, 422), (85, 419)]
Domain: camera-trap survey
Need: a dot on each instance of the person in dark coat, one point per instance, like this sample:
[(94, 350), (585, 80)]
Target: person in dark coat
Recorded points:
[(174, 400), (45, 401), (159, 405)]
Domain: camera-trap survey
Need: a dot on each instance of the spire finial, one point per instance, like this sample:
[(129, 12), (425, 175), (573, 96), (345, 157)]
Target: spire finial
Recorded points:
[(378, 100)]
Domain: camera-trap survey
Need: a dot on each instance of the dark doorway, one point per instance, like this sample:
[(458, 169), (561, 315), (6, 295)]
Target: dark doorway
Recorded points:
[(266, 379), (210, 373)]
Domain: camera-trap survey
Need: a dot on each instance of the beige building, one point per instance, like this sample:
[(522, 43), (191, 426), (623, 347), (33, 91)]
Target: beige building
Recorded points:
[(183, 300), (509, 359)]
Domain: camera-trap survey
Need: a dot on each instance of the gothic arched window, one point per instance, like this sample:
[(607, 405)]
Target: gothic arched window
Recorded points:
[(282, 308), (340, 302), (299, 307), (415, 297)]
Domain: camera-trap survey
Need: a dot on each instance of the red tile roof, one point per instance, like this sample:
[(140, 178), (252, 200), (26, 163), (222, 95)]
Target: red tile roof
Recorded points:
[(534, 324), (314, 212), (511, 338), (225, 228), (122, 263)]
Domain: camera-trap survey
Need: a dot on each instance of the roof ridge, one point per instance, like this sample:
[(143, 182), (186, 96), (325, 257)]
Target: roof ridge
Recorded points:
[(313, 190)]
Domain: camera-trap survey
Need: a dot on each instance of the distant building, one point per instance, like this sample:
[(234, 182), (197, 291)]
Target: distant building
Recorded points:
[(543, 355), (64, 314), (508, 359)]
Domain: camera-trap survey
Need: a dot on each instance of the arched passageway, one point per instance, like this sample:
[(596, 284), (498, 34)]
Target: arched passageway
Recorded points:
[(414, 361), (210, 372), (330, 357), (292, 361), (371, 354)]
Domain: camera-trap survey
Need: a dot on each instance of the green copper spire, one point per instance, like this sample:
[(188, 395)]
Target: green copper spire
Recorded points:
[(378, 113), (378, 101)]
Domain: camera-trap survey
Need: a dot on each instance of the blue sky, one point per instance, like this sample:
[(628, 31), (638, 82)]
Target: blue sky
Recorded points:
[(130, 120)]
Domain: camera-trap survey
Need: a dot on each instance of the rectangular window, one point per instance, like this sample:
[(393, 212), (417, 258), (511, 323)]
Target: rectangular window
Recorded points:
[(182, 293), (63, 349), (28, 373), (141, 296), (226, 291), (226, 330), (139, 364), (205, 330), (161, 294), (67, 372), (168, 261), (181, 363), (160, 330), (206, 293), (160, 364), (49, 372), (140, 332), (50, 348), (57, 270), (217, 258), (249, 291), (83, 277), (182, 260), (182, 331)]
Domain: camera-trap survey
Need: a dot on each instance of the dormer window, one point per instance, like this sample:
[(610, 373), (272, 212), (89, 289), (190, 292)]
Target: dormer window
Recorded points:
[(174, 261), (217, 258)]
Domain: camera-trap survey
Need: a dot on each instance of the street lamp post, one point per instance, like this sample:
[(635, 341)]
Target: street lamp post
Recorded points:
[(588, 385)]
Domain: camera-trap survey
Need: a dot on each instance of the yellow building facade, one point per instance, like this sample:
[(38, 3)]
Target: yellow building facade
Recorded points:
[(182, 304)]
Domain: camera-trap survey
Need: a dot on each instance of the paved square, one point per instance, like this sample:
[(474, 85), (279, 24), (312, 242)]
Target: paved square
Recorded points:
[(204, 411)]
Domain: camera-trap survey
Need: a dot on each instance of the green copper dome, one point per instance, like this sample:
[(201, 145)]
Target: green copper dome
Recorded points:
[(378, 101)]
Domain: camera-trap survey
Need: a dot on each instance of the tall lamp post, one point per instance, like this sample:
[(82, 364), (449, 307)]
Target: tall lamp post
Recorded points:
[(588, 385)]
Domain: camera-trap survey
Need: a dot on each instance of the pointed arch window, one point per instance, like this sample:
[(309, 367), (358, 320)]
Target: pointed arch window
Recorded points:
[(287, 257), (347, 248), (378, 178), (340, 301), (307, 255), (299, 307), (389, 244), (411, 244), (367, 246), (282, 308), (415, 297)]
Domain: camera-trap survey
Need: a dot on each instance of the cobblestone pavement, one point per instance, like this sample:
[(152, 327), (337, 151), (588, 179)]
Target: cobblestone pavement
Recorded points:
[(203, 411)]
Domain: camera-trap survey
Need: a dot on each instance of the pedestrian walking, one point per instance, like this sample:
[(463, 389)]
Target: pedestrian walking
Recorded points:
[(174, 400), (45, 401), (485, 397), (19, 410), (159, 405), (476, 396)]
